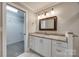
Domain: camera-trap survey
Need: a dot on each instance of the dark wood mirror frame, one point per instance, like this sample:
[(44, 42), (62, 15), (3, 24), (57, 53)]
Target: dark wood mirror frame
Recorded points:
[(49, 29)]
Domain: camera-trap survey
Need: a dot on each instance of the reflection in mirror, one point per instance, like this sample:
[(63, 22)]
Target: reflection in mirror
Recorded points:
[(48, 23)]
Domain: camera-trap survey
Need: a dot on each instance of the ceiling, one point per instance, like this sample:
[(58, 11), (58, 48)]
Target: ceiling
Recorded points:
[(38, 6)]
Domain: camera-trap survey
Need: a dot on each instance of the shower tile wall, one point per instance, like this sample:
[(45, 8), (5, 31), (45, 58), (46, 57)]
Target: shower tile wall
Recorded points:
[(15, 29)]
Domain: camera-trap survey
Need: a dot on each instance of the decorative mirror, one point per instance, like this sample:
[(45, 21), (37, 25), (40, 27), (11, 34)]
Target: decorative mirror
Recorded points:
[(49, 23)]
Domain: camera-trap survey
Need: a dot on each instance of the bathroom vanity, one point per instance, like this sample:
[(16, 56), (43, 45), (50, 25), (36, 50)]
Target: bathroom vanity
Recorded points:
[(54, 45), (48, 45)]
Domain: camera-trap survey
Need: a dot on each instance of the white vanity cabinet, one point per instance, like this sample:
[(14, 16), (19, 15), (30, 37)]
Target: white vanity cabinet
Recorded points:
[(59, 49), (55, 46), (40, 45), (48, 47)]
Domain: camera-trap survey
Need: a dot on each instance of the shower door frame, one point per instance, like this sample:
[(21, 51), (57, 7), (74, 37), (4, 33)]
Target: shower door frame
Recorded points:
[(26, 47)]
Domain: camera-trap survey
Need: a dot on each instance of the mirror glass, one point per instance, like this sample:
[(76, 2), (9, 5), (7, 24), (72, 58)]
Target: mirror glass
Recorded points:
[(48, 23)]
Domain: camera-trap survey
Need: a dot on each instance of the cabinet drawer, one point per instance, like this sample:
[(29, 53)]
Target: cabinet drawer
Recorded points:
[(61, 44), (59, 49), (61, 52)]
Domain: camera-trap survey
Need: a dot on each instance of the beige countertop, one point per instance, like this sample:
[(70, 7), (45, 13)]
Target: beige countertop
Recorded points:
[(52, 37)]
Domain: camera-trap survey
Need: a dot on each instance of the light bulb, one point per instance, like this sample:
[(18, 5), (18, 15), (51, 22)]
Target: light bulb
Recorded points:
[(52, 12), (38, 17), (43, 16)]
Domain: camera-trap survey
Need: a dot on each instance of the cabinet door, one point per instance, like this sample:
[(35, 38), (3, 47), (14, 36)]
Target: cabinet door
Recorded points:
[(37, 44), (32, 42), (53, 48), (45, 47)]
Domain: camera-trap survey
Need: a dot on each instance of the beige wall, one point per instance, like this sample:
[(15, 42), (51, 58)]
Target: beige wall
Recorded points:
[(68, 17)]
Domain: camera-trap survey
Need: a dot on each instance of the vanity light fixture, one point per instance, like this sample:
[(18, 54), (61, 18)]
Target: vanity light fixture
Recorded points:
[(52, 12), (42, 16), (46, 13)]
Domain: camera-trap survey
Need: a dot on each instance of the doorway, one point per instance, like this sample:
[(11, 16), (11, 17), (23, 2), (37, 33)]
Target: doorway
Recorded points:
[(15, 31)]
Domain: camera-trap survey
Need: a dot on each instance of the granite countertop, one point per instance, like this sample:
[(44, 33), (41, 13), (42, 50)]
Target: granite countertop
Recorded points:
[(50, 36)]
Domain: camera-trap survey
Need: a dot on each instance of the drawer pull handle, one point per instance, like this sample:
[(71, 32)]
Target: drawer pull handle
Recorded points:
[(58, 43), (58, 50)]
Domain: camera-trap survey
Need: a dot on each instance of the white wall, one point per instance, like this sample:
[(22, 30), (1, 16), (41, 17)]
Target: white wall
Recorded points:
[(32, 22), (67, 17), (15, 27)]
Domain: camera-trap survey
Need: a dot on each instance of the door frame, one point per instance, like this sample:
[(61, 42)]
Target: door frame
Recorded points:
[(4, 36)]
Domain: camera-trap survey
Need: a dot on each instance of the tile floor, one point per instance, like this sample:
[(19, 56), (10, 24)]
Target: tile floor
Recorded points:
[(29, 54), (14, 50), (17, 50)]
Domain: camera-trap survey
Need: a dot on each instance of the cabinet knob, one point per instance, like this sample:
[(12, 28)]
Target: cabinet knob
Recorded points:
[(41, 41)]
